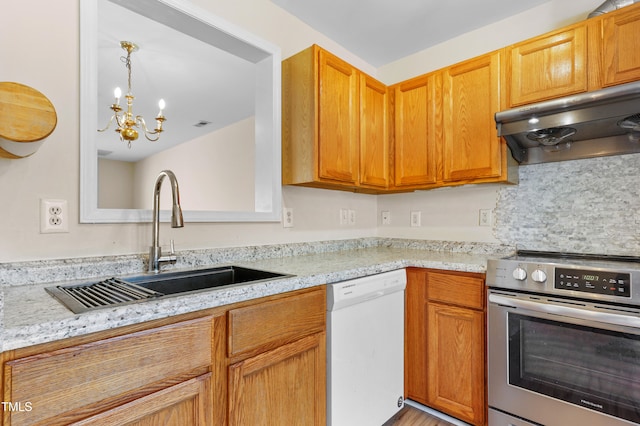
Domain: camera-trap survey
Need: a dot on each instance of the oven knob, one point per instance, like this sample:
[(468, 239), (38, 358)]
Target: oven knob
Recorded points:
[(539, 276), (520, 274)]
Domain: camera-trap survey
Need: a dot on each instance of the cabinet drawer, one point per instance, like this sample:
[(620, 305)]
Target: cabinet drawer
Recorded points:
[(68, 379), (267, 325), (458, 290)]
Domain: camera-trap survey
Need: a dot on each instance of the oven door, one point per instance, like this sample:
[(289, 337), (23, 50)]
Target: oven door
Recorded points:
[(563, 362)]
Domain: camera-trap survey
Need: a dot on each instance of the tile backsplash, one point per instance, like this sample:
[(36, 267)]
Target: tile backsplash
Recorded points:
[(581, 206)]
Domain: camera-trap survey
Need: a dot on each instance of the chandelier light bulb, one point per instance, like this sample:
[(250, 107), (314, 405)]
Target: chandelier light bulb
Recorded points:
[(117, 93), (161, 105)]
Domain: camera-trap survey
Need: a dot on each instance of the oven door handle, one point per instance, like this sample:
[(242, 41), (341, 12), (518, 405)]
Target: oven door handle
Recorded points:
[(621, 318)]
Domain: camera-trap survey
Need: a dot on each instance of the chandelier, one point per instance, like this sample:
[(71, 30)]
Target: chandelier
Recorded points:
[(126, 121)]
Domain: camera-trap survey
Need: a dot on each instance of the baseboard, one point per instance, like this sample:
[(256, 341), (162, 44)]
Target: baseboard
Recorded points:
[(435, 413)]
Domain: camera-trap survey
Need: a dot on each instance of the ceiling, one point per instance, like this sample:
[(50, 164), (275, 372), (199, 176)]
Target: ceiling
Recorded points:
[(383, 31)]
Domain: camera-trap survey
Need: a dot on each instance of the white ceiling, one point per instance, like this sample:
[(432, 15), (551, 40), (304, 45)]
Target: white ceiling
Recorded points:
[(383, 31)]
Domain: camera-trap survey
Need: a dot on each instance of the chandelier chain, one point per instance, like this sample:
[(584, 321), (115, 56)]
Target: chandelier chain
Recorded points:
[(127, 63)]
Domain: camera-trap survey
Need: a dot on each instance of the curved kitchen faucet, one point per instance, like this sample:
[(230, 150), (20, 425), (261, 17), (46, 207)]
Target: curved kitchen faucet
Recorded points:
[(156, 259)]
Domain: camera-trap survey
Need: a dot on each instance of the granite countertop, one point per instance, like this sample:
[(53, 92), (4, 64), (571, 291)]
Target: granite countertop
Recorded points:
[(32, 316)]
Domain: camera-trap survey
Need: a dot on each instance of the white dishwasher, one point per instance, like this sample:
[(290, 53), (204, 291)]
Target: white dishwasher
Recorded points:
[(365, 349)]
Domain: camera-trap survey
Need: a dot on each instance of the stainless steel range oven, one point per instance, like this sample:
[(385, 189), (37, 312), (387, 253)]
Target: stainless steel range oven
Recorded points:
[(564, 340)]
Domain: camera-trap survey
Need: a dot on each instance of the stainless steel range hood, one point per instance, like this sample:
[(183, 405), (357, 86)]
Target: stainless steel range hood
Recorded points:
[(593, 124)]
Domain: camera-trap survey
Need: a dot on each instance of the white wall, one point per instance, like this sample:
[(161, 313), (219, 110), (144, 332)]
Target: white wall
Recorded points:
[(115, 190), (218, 166), (46, 58), (450, 214)]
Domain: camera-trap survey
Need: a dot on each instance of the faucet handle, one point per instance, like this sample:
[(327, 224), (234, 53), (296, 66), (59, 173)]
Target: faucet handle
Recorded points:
[(167, 258)]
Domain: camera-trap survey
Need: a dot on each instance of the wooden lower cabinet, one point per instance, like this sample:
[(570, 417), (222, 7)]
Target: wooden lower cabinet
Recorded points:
[(277, 371), (445, 345), (279, 387), (260, 362), (149, 374), (455, 361), (187, 403)]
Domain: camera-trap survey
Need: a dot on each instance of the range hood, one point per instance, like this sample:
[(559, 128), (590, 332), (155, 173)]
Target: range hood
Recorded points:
[(592, 124)]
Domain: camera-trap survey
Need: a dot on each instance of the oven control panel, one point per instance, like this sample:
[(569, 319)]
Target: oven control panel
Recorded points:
[(588, 281)]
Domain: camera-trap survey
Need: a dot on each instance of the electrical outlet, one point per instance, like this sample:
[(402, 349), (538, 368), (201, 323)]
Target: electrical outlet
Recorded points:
[(416, 218), (287, 218), (53, 216), (485, 217), (344, 217), (352, 217), (386, 218)]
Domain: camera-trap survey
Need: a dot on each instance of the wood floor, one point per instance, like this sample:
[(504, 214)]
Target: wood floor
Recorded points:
[(410, 416)]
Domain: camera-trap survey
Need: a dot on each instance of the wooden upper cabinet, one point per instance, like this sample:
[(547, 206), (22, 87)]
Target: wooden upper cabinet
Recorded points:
[(589, 55), (337, 119), (549, 66), (334, 124), (374, 138), (472, 150), (416, 104), (621, 38), (342, 129)]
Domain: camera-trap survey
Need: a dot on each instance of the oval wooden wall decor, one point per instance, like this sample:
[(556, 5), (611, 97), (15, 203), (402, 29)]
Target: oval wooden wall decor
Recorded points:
[(27, 117)]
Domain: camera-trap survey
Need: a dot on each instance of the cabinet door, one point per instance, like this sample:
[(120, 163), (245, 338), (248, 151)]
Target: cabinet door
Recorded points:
[(415, 342), (338, 140), (621, 32), (416, 123), (374, 139), (187, 403), (284, 386), (549, 66), (456, 361), (472, 149)]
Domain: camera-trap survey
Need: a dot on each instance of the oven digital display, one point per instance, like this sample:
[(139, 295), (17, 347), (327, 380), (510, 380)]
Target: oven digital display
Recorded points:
[(599, 282)]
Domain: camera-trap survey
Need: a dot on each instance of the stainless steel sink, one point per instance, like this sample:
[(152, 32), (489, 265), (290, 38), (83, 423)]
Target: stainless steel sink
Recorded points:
[(131, 289), (188, 281)]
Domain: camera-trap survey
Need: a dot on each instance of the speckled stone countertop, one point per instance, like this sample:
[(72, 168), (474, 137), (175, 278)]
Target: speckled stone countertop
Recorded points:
[(32, 316)]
